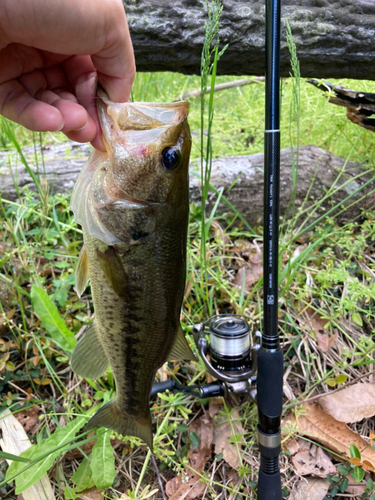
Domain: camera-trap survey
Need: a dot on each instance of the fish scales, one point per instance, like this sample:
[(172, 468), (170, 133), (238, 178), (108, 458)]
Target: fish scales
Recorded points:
[(132, 203)]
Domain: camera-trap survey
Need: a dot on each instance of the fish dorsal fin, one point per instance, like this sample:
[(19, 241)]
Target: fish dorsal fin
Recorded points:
[(180, 348), (112, 417), (114, 271), (82, 271), (88, 359)]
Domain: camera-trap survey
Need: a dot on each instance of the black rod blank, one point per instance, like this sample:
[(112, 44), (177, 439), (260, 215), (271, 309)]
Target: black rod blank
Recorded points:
[(271, 176)]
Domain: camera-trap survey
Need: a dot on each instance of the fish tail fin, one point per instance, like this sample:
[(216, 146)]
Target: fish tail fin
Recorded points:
[(112, 417)]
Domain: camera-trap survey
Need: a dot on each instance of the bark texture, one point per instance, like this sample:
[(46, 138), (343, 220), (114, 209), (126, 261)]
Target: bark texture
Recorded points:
[(318, 171), (334, 38)]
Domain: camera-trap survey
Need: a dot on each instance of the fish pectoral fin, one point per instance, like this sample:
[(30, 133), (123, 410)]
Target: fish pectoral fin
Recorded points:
[(88, 359), (180, 348), (82, 271), (112, 417), (114, 271)]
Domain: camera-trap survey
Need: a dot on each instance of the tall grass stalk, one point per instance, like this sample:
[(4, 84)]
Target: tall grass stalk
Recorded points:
[(209, 60), (294, 118)]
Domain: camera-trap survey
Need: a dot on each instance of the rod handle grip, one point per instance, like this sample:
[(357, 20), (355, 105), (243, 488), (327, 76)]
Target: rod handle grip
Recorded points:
[(168, 385), (269, 486)]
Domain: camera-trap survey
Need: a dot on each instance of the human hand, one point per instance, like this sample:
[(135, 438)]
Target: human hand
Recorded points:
[(51, 56)]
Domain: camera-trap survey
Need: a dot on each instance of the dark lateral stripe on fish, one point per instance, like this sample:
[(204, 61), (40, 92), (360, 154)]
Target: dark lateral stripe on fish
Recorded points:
[(132, 365)]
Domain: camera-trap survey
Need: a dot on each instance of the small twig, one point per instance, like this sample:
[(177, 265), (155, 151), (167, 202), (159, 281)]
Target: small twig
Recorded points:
[(21, 390), (347, 495), (224, 482), (221, 86), (158, 476)]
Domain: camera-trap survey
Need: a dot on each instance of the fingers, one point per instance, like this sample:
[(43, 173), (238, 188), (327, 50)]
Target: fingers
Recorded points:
[(82, 77), (47, 83), (74, 115), (17, 105), (115, 62), (29, 102)]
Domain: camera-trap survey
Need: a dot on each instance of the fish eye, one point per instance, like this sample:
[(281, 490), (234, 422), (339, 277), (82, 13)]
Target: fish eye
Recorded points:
[(170, 158)]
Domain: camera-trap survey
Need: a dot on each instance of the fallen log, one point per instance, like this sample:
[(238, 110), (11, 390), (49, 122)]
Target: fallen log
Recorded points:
[(360, 106), (334, 38), (241, 178)]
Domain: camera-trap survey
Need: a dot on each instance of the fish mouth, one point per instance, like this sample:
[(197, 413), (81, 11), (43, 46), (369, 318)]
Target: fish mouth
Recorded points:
[(140, 116), (134, 202)]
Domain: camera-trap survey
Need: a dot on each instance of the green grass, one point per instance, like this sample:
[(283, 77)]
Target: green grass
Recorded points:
[(239, 116)]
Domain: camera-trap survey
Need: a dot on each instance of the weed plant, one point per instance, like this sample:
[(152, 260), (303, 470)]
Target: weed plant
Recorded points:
[(327, 286)]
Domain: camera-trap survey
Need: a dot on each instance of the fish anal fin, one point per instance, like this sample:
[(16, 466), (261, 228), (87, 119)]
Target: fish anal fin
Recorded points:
[(88, 359), (82, 271), (112, 417), (180, 348), (114, 271)]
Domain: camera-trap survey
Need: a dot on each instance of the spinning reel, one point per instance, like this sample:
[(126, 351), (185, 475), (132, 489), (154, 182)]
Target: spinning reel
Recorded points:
[(229, 353), (230, 356)]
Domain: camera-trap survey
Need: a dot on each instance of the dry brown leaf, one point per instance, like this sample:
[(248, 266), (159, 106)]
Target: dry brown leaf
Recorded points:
[(253, 273), (249, 250), (91, 494), (190, 487), (253, 270), (324, 429), (356, 489), (310, 489), (352, 404), (204, 428), (29, 419), (298, 445), (223, 432), (313, 321), (325, 342), (293, 447), (316, 323), (306, 462)]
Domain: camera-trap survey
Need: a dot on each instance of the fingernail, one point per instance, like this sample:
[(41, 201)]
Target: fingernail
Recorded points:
[(77, 129), (62, 126)]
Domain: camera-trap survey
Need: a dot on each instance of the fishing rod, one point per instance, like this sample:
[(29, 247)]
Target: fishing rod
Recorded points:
[(270, 356), (230, 355)]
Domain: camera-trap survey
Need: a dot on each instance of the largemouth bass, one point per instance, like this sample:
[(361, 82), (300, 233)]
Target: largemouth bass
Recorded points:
[(132, 204)]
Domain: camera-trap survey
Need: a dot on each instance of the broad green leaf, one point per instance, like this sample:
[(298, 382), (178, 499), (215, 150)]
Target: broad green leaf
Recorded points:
[(344, 485), (51, 319), (29, 475), (354, 452), (358, 474), (331, 382), (103, 461), (83, 476), (342, 469), (194, 438), (356, 318), (70, 493), (9, 456), (333, 491), (341, 379)]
